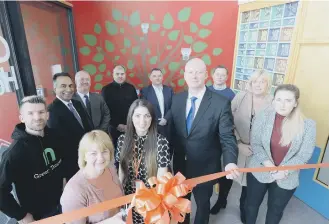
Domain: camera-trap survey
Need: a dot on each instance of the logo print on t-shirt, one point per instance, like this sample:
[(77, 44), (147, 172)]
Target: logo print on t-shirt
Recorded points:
[(49, 153)]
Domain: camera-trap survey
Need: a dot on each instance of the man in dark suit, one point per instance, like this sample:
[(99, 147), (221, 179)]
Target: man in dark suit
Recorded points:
[(202, 130), (160, 97), (69, 119), (93, 103)]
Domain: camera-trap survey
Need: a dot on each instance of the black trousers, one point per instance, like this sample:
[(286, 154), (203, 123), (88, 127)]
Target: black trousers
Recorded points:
[(278, 199), (202, 194)]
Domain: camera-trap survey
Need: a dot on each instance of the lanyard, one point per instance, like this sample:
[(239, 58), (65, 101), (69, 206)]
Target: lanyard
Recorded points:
[(136, 163)]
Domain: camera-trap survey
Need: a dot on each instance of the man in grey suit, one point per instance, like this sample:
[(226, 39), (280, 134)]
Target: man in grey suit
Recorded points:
[(202, 130), (93, 103)]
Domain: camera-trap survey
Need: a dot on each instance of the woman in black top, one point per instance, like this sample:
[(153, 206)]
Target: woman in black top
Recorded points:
[(142, 152)]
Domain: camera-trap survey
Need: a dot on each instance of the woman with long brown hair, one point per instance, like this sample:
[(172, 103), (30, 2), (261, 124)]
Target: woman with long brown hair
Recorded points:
[(142, 152)]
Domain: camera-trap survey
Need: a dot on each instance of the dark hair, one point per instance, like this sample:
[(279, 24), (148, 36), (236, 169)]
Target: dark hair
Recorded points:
[(61, 74), (150, 145), (34, 99), (289, 87), (221, 66), (155, 69)]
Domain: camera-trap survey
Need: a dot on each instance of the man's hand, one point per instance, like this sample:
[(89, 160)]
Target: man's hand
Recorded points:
[(27, 219), (122, 128), (162, 122), (234, 172), (245, 149), (279, 175)]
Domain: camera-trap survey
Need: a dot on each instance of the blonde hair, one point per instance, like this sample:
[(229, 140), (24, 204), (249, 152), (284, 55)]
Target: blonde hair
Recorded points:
[(257, 74), (98, 138), (293, 124)]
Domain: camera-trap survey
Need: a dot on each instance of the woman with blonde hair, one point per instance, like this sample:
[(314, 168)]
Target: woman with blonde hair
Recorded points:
[(245, 106), (281, 136), (96, 181)]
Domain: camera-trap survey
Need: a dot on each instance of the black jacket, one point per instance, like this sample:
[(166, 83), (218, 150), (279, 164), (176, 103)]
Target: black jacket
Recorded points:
[(34, 165)]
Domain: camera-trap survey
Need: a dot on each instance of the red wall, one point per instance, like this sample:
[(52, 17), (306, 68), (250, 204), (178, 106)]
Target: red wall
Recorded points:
[(117, 24)]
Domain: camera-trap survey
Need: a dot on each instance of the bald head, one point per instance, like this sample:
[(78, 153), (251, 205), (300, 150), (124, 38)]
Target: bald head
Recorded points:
[(82, 81), (195, 73)]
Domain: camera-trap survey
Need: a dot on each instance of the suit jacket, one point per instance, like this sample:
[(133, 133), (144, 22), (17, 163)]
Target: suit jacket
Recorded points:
[(66, 125), (211, 135), (100, 113), (148, 93), (300, 151)]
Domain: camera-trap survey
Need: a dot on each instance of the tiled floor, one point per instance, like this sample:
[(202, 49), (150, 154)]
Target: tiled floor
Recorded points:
[(296, 211)]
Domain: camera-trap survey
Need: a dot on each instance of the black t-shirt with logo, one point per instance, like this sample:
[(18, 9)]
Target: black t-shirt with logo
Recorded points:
[(34, 165)]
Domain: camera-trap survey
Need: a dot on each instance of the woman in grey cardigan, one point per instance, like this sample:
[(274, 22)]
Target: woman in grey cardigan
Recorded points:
[(281, 136)]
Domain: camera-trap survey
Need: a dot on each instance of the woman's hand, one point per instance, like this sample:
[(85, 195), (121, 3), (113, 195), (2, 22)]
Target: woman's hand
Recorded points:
[(245, 149), (279, 175)]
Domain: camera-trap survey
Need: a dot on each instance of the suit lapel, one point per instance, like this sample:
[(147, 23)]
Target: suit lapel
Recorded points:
[(182, 113), (77, 97), (154, 96), (165, 98), (267, 133), (92, 100), (205, 103)]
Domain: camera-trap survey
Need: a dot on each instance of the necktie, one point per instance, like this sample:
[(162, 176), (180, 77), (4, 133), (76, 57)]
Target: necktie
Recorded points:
[(75, 113), (190, 116), (88, 104)]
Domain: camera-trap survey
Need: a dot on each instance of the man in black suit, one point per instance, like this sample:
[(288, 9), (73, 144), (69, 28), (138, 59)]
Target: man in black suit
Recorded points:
[(202, 129), (69, 119), (160, 97)]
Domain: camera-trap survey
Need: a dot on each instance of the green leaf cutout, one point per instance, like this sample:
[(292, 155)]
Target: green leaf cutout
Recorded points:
[(109, 46), (98, 86), (168, 21), (206, 18), (203, 33), (99, 57), (116, 14), (152, 18), (193, 28), (206, 59), (127, 42), (134, 19), (102, 67), (111, 28), (181, 82), (90, 39), (98, 78), (116, 58), (131, 75), (217, 51), (91, 69), (122, 30), (188, 39), (184, 14), (153, 60), (173, 35), (135, 50), (173, 66), (85, 50), (199, 46), (155, 27), (123, 51), (97, 28), (130, 64)]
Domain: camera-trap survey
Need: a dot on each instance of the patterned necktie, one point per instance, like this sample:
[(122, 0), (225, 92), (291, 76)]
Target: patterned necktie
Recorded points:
[(190, 116), (75, 113), (88, 104)]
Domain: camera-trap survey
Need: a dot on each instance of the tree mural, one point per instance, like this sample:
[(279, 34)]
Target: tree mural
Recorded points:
[(141, 45)]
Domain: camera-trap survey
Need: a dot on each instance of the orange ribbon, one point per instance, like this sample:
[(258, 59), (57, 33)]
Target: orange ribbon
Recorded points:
[(117, 202), (157, 203)]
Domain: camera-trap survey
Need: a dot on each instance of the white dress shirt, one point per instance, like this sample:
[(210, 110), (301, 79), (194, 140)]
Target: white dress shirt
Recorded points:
[(66, 104), (159, 93), (82, 96), (199, 97)]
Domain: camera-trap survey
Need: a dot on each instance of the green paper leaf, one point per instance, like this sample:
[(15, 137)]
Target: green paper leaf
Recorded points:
[(206, 59), (163, 32), (108, 73), (91, 40), (116, 14), (91, 69), (206, 18), (130, 64), (97, 28), (173, 66), (193, 28), (99, 57), (173, 35), (203, 33), (155, 27), (182, 72), (134, 19), (98, 86), (135, 50), (181, 82), (123, 51), (152, 18), (148, 51), (153, 60), (98, 78), (168, 47), (131, 75), (122, 30), (111, 28), (125, 18), (184, 14), (164, 71), (127, 42), (217, 51), (102, 67), (85, 50), (188, 39), (209, 83), (199, 46), (168, 21), (116, 58), (109, 46), (141, 38)]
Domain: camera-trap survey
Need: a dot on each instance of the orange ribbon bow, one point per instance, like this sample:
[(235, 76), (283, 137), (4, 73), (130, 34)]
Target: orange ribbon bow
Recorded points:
[(157, 203)]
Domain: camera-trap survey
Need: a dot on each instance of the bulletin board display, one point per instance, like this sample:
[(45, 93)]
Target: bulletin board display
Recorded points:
[(264, 42)]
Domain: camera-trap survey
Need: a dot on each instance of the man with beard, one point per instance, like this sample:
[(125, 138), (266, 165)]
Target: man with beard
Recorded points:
[(119, 95), (69, 119), (93, 103), (34, 164)]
